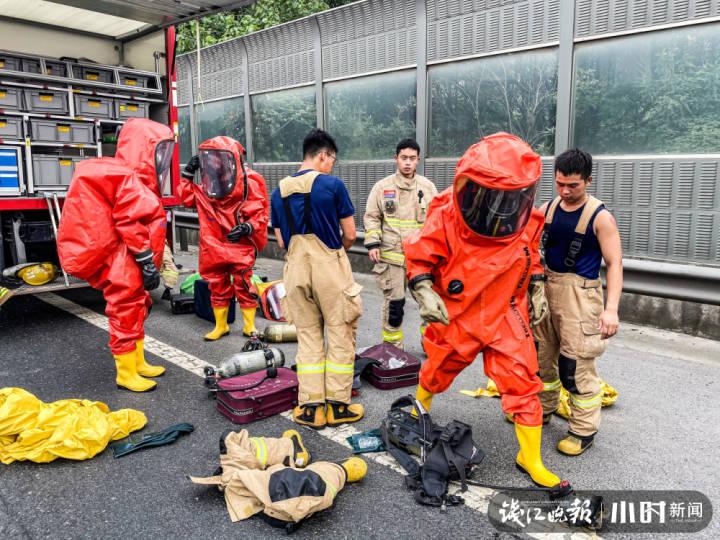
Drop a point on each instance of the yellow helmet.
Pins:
(38, 274)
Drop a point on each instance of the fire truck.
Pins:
(71, 73)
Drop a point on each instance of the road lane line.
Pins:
(475, 497)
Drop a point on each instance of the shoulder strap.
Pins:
(591, 206)
(550, 210)
(301, 184)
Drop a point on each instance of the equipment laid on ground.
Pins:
(386, 367)
(159, 438)
(280, 333)
(449, 454)
(245, 363)
(203, 309)
(270, 294)
(181, 304)
(247, 398)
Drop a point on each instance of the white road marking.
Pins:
(475, 497)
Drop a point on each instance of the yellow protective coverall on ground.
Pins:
(322, 299)
(395, 209)
(260, 474)
(70, 428)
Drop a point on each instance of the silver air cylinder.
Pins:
(251, 361)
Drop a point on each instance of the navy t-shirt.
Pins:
(561, 234)
(330, 202)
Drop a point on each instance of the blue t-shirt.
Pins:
(561, 234)
(329, 201)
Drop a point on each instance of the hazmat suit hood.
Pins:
(147, 147)
(494, 187)
(222, 173)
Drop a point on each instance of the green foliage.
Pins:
(470, 100)
(280, 122)
(258, 16)
(655, 93)
(368, 116)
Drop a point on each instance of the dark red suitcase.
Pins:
(389, 367)
(247, 398)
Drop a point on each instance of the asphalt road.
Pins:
(662, 433)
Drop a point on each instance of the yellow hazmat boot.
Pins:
(310, 415)
(221, 325)
(248, 315)
(143, 368)
(302, 456)
(342, 413)
(424, 397)
(355, 468)
(528, 458)
(127, 375)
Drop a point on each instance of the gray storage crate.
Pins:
(31, 65)
(10, 98)
(94, 106)
(8, 61)
(127, 108)
(57, 69)
(60, 131)
(11, 128)
(133, 80)
(46, 101)
(53, 170)
(92, 73)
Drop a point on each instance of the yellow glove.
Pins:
(539, 308)
(432, 307)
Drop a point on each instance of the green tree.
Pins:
(258, 16)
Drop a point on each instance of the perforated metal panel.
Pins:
(221, 73)
(594, 17)
(468, 27)
(281, 56)
(368, 36)
(666, 209)
(183, 80)
(274, 172)
(360, 177)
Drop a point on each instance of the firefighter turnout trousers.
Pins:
(568, 342)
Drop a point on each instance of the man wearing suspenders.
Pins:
(579, 233)
(309, 210)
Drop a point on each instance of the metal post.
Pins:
(317, 52)
(246, 104)
(563, 119)
(182, 236)
(421, 75)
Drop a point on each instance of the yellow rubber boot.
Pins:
(355, 468)
(424, 397)
(143, 368)
(529, 460)
(302, 456)
(248, 315)
(127, 375)
(221, 325)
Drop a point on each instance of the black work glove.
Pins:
(238, 231)
(190, 167)
(150, 274)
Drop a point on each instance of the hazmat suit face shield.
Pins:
(494, 213)
(163, 160)
(218, 172)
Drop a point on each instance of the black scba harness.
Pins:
(447, 454)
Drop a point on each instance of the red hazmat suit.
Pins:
(112, 212)
(482, 279)
(247, 202)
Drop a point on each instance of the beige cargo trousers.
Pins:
(323, 302)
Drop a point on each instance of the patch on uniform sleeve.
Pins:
(388, 194)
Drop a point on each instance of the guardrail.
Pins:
(686, 282)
